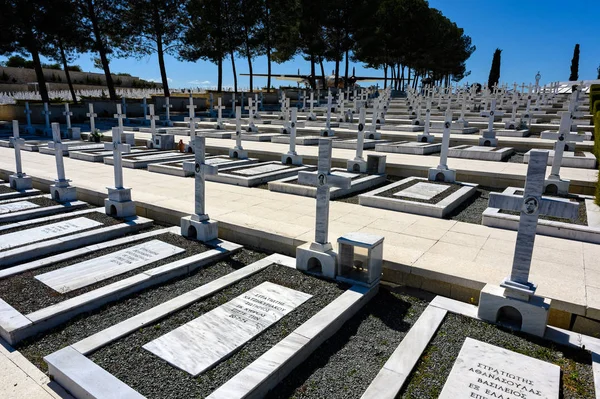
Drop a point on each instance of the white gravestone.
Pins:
(167, 108)
(191, 118)
(327, 132)
(152, 118)
(486, 371)
(320, 253)
(118, 203)
(489, 136)
(47, 114)
(216, 335)
(516, 290)
(220, 109)
(426, 137)
(199, 225)
(238, 151)
(68, 114)
(17, 207)
(442, 172)
(46, 232)
(251, 126)
(358, 164)
(29, 128)
(61, 191)
(18, 181)
(292, 157)
(92, 117)
(90, 272)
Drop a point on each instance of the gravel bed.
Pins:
(472, 209)
(516, 157)
(434, 200)
(353, 198)
(84, 325)
(27, 294)
(6, 190)
(97, 216)
(430, 374)
(344, 365)
(154, 378)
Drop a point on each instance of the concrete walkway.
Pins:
(461, 257)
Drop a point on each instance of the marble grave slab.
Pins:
(45, 232)
(205, 341)
(258, 170)
(17, 206)
(89, 272)
(482, 370)
(422, 190)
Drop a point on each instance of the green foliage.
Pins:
(575, 64)
(495, 70)
(118, 82)
(4, 77)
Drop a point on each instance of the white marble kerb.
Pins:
(17, 206)
(97, 269)
(423, 190)
(486, 371)
(205, 341)
(45, 232)
(258, 170)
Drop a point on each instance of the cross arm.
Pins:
(320, 179)
(560, 208)
(123, 148)
(193, 167)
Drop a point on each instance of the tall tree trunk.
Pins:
(234, 72)
(337, 71)
(385, 68)
(220, 75)
(393, 77)
(67, 73)
(323, 73)
(249, 56)
(312, 80)
(250, 69)
(163, 70)
(407, 81)
(268, 44)
(101, 51)
(39, 73)
(347, 66)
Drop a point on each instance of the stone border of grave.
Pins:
(38, 212)
(14, 326)
(358, 184)
(350, 144)
(409, 147)
(495, 154)
(255, 180)
(438, 210)
(171, 168)
(98, 156)
(587, 161)
(64, 243)
(71, 368)
(300, 140)
(18, 194)
(130, 161)
(492, 217)
(398, 368)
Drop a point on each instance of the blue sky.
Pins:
(533, 35)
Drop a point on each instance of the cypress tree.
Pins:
(494, 70)
(575, 64)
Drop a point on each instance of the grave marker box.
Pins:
(360, 258)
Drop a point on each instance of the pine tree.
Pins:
(575, 64)
(494, 77)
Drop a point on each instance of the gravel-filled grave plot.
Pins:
(84, 325)
(429, 375)
(154, 378)
(344, 365)
(353, 198)
(6, 190)
(37, 204)
(27, 294)
(472, 209)
(581, 220)
(98, 217)
(391, 193)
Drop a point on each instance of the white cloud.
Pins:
(154, 80)
(199, 82)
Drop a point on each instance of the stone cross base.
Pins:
(318, 259)
(219, 126)
(286, 129)
(20, 182)
(291, 159)
(327, 133)
(512, 125)
(425, 138)
(238, 154)
(252, 129)
(119, 203)
(373, 135)
(311, 117)
(62, 192)
(561, 186)
(443, 175)
(459, 124)
(488, 139)
(201, 230)
(356, 165)
(417, 122)
(495, 306)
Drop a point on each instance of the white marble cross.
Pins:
(445, 141)
(28, 115)
(238, 128)
(17, 142)
(59, 147)
(124, 105)
(492, 114)
(46, 114)
(91, 115)
(167, 108)
(312, 102)
(463, 108)
(323, 180)
(562, 137)
(360, 140)
(191, 119)
(515, 104)
(427, 116)
(152, 118)
(120, 117)
(293, 123)
(341, 106)
(303, 100)
(328, 120)
(118, 150)
(144, 107)
(530, 205)
(220, 109)
(375, 115)
(251, 125)
(68, 115)
(200, 169)
(257, 103)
